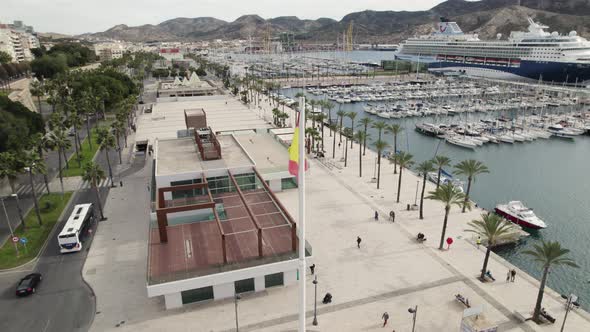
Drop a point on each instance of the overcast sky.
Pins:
(79, 16)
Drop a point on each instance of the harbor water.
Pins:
(547, 175)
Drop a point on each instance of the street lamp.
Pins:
(315, 301)
(571, 300)
(236, 298)
(414, 312)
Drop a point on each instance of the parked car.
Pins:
(28, 284)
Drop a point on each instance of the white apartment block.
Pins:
(18, 42)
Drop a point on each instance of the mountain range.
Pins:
(486, 17)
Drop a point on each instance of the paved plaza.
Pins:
(390, 272)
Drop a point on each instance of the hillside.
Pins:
(486, 17)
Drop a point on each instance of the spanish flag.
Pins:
(294, 152)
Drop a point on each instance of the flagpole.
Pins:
(301, 186)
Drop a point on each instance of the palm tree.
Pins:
(380, 146)
(492, 229)
(360, 136)
(34, 164)
(548, 254)
(351, 116)
(470, 168)
(94, 174)
(394, 129)
(75, 121)
(60, 142)
(328, 105)
(380, 126)
(118, 128)
(341, 114)
(365, 122)
(449, 196)
(106, 141)
(440, 162)
(424, 168)
(38, 91)
(11, 165)
(321, 117)
(85, 107)
(404, 160)
(42, 143)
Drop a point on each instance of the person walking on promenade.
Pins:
(385, 318)
(312, 268)
(478, 242)
(512, 275)
(508, 275)
(376, 216)
(358, 242)
(392, 216)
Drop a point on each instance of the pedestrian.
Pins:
(508, 275)
(312, 268)
(120, 183)
(512, 275)
(358, 242)
(385, 318)
(478, 242)
(376, 216)
(392, 216)
(148, 187)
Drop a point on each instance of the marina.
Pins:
(528, 157)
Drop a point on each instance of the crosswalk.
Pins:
(24, 190)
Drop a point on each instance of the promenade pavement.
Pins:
(390, 272)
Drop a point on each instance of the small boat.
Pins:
(429, 129)
(519, 214)
(461, 142)
(445, 178)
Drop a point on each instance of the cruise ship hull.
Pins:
(558, 72)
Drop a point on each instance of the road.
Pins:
(63, 302)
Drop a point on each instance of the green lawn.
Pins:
(86, 155)
(35, 234)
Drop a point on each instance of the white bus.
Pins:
(76, 228)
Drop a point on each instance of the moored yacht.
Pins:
(519, 214)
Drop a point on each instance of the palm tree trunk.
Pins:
(106, 153)
(421, 196)
(378, 168)
(322, 135)
(346, 152)
(88, 131)
(39, 101)
(76, 146)
(537, 311)
(444, 229)
(365, 141)
(20, 211)
(360, 163)
(341, 118)
(63, 152)
(352, 130)
(485, 263)
(394, 153)
(98, 199)
(467, 195)
(40, 151)
(35, 197)
(399, 184)
(334, 147)
(119, 149)
(61, 179)
(438, 178)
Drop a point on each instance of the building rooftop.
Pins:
(267, 153)
(225, 237)
(179, 156)
(224, 114)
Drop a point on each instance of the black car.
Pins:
(28, 284)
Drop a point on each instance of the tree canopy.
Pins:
(17, 124)
(5, 57)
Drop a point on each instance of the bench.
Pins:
(463, 300)
(547, 316)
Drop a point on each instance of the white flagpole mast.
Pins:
(301, 185)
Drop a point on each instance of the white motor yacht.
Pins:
(519, 214)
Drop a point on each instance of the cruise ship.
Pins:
(532, 55)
